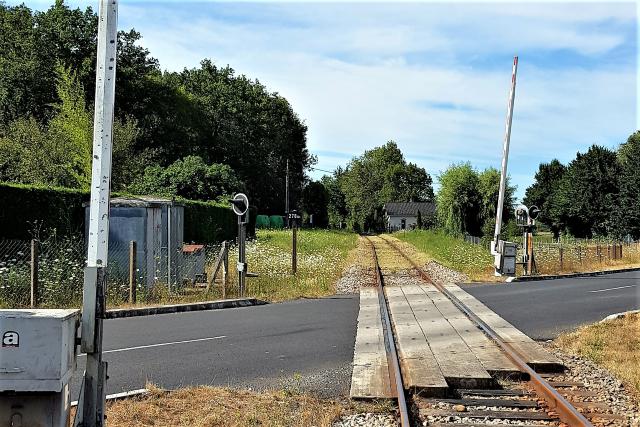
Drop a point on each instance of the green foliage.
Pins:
(161, 118)
(467, 200)
(189, 178)
(540, 193)
(628, 216)
(314, 202)
(458, 204)
(379, 176)
(208, 222)
(43, 211)
(336, 203)
(59, 154)
(586, 198)
(28, 209)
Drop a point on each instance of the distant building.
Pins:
(404, 215)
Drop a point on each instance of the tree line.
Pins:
(596, 195)
(201, 133)
(354, 196)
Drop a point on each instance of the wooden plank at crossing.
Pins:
(420, 370)
(370, 377)
(457, 362)
(532, 352)
(489, 355)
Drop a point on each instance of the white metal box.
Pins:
(38, 351)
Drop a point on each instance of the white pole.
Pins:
(91, 413)
(98, 246)
(505, 155)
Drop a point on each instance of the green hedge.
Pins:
(23, 208)
(26, 208)
(206, 222)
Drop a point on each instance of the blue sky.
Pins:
(434, 77)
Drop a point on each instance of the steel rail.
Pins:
(566, 412)
(390, 343)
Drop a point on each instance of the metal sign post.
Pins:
(91, 407)
(240, 206)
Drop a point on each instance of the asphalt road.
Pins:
(308, 344)
(543, 309)
(304, 344)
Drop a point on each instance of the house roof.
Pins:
(409, 208)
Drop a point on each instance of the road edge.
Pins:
(571, 275)
(182, 308)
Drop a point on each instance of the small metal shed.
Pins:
(157, 227)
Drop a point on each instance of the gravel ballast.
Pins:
(368, 420)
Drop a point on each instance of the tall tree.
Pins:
(540, 193)
(628, 216)
(336, 204)
(459, 203)
(190, 178)
(379, 176)
(315, 202)
(585, 201)
(489, 189)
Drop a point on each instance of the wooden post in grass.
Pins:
(225, 267)
(561, 258)
(599, 253)
(132, 272)
(35, 249)
(294, 249)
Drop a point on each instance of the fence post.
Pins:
(599, 253)
(620, 251)
(35, 249)
(225, 267)
(132, 272)
(561, 258)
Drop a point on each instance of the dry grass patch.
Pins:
(614, 345)
(214, 406)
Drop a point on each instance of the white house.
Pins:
(404, 215)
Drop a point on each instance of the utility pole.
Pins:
(286, 195)
(91, 408)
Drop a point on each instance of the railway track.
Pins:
(531, 399)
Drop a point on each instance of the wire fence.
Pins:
(573, 255)
(58, 276)
(583, 255)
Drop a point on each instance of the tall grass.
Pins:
(322, 255)
(473, 260)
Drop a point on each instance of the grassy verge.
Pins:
(322, 255)
(614, 345)
(213, 406)
(473, 260)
